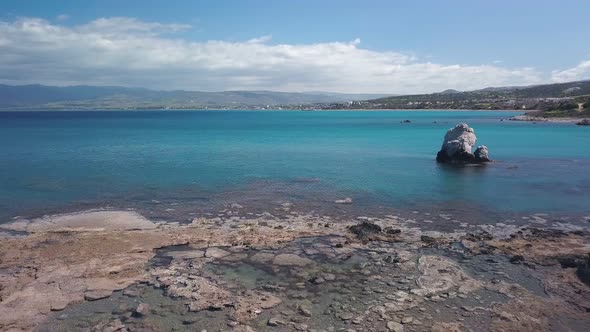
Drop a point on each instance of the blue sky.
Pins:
(373, 46)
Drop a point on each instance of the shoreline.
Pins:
(395, 282)
(531, 118)
(255, 110)
(414, 110)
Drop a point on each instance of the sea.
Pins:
(174, 165)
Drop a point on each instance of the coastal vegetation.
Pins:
(578, 107)
(563, 99)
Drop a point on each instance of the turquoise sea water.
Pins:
(55, 159)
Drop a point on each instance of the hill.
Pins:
(113, 97)
(546, 98)
(570, 99)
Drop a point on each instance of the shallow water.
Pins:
(341, 287)
(56, 160)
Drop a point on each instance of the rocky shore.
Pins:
(299, 272)
(532, 118)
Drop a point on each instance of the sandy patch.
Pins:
(86, 220)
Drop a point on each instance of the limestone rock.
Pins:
(291, 260)
(407, 320)
(142, 309)
(216, 253)
(304, 309)
(395, 326)
(262, 257)
(276, 321)
(347, 200)
(97, 294)
(448, 327)
(481, 154)
(457, 147)
(101, 220)
(439, 274)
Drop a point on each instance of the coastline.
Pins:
(255, 110)
(531, 118)
(377, 273)
(417, 110)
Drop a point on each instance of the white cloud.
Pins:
(127, 51)
(63, 17)
(260, 40)
(122, 25)
(577, 73)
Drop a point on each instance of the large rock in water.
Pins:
(458, 144)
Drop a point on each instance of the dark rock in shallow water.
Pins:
(365, 230)
(585, 122)
(583, 271)
(392, 231)
(516, 259)
(457, 146)
(580, 263)
(571, 261)
(427, 239)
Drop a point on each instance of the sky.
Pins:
(391, 47)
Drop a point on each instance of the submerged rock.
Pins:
(276, 321)
(216, 253)
(305, 310)
(142, 309)
(291, 260)
(583, 271)
(457, 147)
(439, 274)
(97, 295)
(347, 200)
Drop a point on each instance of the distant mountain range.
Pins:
(113, 97)
(568, 97)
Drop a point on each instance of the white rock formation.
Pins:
(458, 144)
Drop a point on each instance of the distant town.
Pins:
(556, 100)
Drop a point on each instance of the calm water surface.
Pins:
(55, 159)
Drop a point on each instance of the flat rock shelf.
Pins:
(302, 272)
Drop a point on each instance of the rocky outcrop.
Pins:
(458, 145)
(481, 154)
(585, 122)
(294, 265)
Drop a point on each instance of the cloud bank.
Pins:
(130, 52)
(579, 72)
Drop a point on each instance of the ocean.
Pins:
(54, 161)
